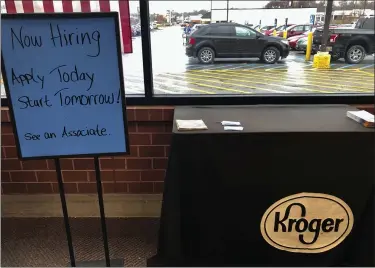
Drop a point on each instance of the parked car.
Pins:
(301, 44)
(294, 39)
(266, 28)
(231, 40)
(196, 27)
(278, 29)
(350, 44)
(295, 30)
(256, 27)
(136, 30)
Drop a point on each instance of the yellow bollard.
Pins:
(274, 33)
(309, 45)
(285, 34)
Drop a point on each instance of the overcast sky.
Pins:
(161, 7)
(185, 6)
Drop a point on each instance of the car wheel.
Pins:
(355, 54)
(270, 55)
(206, 55)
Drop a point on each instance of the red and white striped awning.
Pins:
(52, 6)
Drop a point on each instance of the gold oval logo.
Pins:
(307, 223)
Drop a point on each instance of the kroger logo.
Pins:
(307, 223)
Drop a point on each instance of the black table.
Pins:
(219, 184)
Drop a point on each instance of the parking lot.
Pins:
(175, 73)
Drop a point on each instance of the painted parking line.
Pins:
(211, 86)
(283, 66)
(131, 85)
(257, 82)
(322, 82)
(230, 84)
(257, 67)
(309, 83)
(344, 67)
(336, 71)
(367, 66)
(331, 77)
(241, 66)
(220, 67)
(181, 87)
(367, 73)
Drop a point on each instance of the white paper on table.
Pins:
(190, 124)
(233, 128)
(230, 123)
(364, 115)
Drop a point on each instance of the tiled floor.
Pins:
(42, 242)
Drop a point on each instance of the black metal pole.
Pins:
(101, 209)
(227, 10)
(211, 13)
(65, 213)
(146, 49)
(327, 21)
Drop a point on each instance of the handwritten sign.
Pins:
(63, 77)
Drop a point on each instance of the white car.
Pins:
(196, 27)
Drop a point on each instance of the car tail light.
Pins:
(332, 38)
(192, 41)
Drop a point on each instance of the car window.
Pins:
(368, 24)
(222, 30)
(299, 28)
(202, 31)
(245, 32)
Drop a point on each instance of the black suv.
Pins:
(231, 40)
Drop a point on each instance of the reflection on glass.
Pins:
(196, 49)
(132, 62)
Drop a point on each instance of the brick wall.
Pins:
(142, 171)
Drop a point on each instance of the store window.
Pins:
(188, 60)
(217, 48)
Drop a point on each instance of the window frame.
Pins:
(149, 98)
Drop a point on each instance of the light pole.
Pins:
(211, 13)
(227, 10)
(327, 21)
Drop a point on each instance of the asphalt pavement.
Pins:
(175, 73)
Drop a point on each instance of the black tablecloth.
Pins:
(219, 184)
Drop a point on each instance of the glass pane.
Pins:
(244, 32)
(132, 62)
(207, 63)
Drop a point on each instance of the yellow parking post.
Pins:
(285, 34)
(309, 45)
(274, 33)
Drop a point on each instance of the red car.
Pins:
(295, 30)
(294, 39)
(279, 28)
